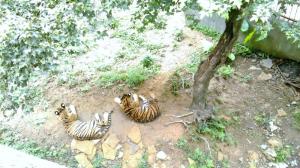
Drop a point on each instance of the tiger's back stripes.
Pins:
(81, 130)
(138, 108)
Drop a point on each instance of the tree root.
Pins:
(181, 116)
(207, 144)
(185, 123)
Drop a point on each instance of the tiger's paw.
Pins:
(117, 100)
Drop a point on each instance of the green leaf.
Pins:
(249, 37)
(245, 26)
(231, 57)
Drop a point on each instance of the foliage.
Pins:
(147, 62)
(178, 35)
(50, 29)
(201, 160)
(178, 81)
(29, 146)
(143, 163)
(225, 71)
(182, 143)
(97, 161)
(133, 76)
(215, 128)
(296, 116)
(283, 153)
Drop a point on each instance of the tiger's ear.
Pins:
(56, 112)
(63, 105)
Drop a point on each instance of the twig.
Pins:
(181, 116)
(185, 123)
(208, 146)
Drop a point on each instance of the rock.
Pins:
(275, 142)
(294, 163)
(264, 77)
(182, 166)
(86, 147)
(220, 156)
(131, 160)
(272, 126)
(134, 134)
(254, 68)
(109, 147)
(277, 165)
(263, 146)
(83, 161)
(151, 154)
(192, 163)
(112, 140)
(267, 63)
(281, 113)
(253, 156)
(120, 155)
(133, 147)
(161, 155)
(270, 153)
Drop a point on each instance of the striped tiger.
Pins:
(81, 130)
(138, 108)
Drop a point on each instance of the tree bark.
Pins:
(206, 70)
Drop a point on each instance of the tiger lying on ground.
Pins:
(138, 108)
(80, 130)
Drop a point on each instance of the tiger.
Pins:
(138, 108)
(81, 130)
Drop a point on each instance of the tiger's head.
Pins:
(126, 100)
(66, 114)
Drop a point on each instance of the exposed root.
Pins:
(207, 143)
(181, 116)
(185, 123)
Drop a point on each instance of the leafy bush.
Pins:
(225, 71)
(33, 35)
(147, 62)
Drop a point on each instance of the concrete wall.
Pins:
(276, 44)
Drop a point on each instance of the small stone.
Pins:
(86, 147)
(253, 156)
(83, 161)
(108, 152)
(263, 146)
(264, 77)
(112, 140)
(270, 153)
(254, 68)
(134, 134)
(220, 156)
(182, 166)
(294, 163)
(281, 113)
(275, 142)
(151, 149)
(192, 163)
(272, 126)
(120, 154)
(294, 103)
(161, 155)
(267, 63)
(277, 165)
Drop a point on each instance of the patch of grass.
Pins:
(85, 88)
(283, 153)
(179, 81)
(225, 71)
(178, 35)
(201, 160)
(147, 62)
(143, 163)
(241, 50)
(97, 161)
(216, 128)
(195, 25)
(134, 76)
(59, 154)
(296, 117)
(261, 119)
(196, 59)
(182, 143)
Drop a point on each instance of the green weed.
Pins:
(111, 77)
(261, 119)
(195, 25)
(178, 81)
(201, 159)
(216, 129)
(283, 153)
(296, 117)
(136, 76)
(97, 161)
(178, 35)
(225, 71)
(182, 143)
(143, 163)
(147, 62)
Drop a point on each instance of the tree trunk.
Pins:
(206, 70)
